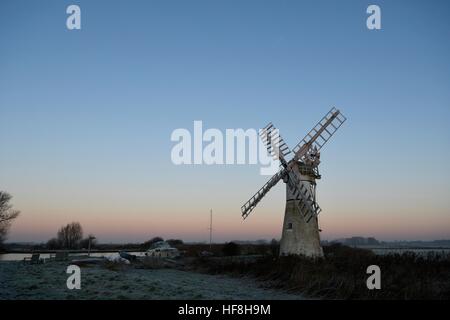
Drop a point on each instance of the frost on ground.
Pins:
(48, 281)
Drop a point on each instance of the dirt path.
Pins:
(48, 281)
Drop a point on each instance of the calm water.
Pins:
(21, 256)
(420, 252)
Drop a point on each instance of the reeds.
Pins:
(342, 274)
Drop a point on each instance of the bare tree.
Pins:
(70, 235)
(7, 214)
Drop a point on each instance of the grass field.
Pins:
(48, 281)
(341, 275)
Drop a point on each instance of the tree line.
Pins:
(70, 236)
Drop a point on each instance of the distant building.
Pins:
(162, 249)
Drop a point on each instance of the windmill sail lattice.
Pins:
(320, 134)
(274, 143)
(253, 201)
(307, 205)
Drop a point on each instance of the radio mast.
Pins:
(210, 229)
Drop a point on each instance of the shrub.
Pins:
(231, 249)
(147, 244)
(175, 242)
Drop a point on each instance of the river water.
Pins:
(21, 256)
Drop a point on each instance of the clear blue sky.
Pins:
(86, 115)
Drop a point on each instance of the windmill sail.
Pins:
(274, 143)
(251, 204)
(307, 205)
(320, 134)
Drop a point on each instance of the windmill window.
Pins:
(289, 226)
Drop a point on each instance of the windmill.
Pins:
(300, 233)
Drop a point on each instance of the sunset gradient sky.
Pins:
(86, 116)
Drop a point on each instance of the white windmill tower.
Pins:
(300, 233)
